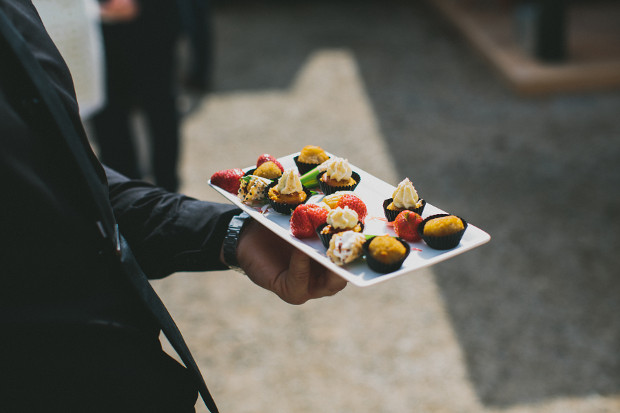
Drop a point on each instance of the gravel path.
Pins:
(527, 323)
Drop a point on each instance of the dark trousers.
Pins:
(196, 24)
(89, 369)
(140, 75)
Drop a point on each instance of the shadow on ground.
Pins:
(536, 310)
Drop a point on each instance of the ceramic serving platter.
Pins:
(372, 191)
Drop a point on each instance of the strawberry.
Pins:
(318, 215)
(406, 225)
(356, 204)
(227, 179)
(265, 158)
(305, 220)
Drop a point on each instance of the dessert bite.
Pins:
(404, 197)
(336, 175)
(252, 189)
(268, 158)
(442, 226)
(442, 231)
(269, 170)
(348, 199)
(385, 253)
(345, 247)
(333, 199)
(288, 192)
(309, 158)
(339, 220)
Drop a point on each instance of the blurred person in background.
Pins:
(80, 322)
(196, 26)
(139, 41)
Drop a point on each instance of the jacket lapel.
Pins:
(97, 189)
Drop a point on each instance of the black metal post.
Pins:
(541, 28)
(551, 39)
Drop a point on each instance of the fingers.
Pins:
(306, 279)
(323, 281)
(274, 264)
(328, 283)
(334, 283)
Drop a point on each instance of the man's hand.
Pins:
(275, 265)
(118, 11)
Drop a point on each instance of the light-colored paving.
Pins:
(528, 323)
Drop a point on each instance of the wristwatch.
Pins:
(231, 240)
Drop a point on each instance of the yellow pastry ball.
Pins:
(442, 226)
(386, 249)
(312, 154)
(268, 170)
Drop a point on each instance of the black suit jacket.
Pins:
(57, 265)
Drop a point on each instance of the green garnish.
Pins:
(309, 179)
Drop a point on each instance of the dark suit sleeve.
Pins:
(168, 232)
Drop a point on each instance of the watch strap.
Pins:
(231, 241)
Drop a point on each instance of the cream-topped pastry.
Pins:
(342, 218)
(338, 220)
(325, 164)
(288, 189)
(345, 247)
(337, 169)
(405, 196)
(289, 183)
(336, 175)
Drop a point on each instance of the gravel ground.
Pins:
(526, 323)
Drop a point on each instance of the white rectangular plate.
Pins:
(372, 191)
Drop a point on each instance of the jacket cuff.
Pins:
(207, 256)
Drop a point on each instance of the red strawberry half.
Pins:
(227, 179)
(406, 226)
(355, 204)
(305, 220)
(265, 158)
